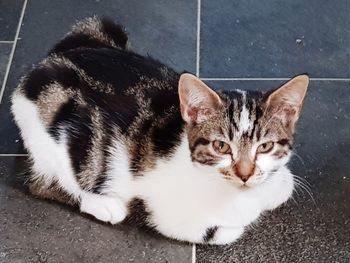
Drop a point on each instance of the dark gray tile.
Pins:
(33, 230)
(304, 231)
(163, 29)
(275, 38)
(8, 132)
(5, 50)
(9, 17)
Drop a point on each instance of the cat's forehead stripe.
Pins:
(245, 122)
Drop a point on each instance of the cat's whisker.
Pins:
(299, 182)
(299, 158)
(294, 200)
(302, 180)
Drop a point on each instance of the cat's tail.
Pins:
(93, 32)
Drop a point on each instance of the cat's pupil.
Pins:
(222, 144)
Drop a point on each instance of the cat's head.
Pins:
(245, 136)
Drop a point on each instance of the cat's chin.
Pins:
(244, 187)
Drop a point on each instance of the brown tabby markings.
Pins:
(51, 191)
(94, 167)
(50, 101)
(215, 127)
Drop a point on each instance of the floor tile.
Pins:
(5, 50)
(33, 230)
(165, 30)
(9, 16)
(275, 38)
(304, 231)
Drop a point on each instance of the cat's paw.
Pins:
(226, 235)
(104, 208)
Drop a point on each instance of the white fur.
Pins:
(225, 235)
(244, 122)
(105, 208)
(119, 175)
(269, 162)
(184, 198)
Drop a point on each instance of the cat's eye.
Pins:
(265, 147)
(221, 147)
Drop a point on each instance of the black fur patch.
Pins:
(138, 214)
(118, 110)
(102, 180)
(284, 142)
(166, 137)
(80, 137)
(62, 117)
(200, 141)
(163, 100)
(210, 233)
(42, 76)
(75, 121)
(78, 41)
(258, 115)
(115, 32)
(121, 68)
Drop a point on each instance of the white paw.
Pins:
(226, 235)
(104, 208)
(244, 211)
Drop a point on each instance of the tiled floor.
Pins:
(235, 44)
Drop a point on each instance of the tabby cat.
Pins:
(110, 130)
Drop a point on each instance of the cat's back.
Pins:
(91, 69)
(111, 79)
(98, 71)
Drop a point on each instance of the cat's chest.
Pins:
(178, 190)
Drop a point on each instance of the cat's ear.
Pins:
(197, 100)
(286, 102)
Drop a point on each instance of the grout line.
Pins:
(267, 79)
(6, 42)
(193, 253)
(197, 74)
(12, 51)
(13, 154)
(228, 79)
(198, 35)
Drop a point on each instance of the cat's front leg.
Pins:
(223, 235)
(106, 208)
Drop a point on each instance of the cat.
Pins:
(109, 130)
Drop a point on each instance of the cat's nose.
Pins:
(244, 169)
(244, 179)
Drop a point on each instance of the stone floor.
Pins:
(242, 44)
